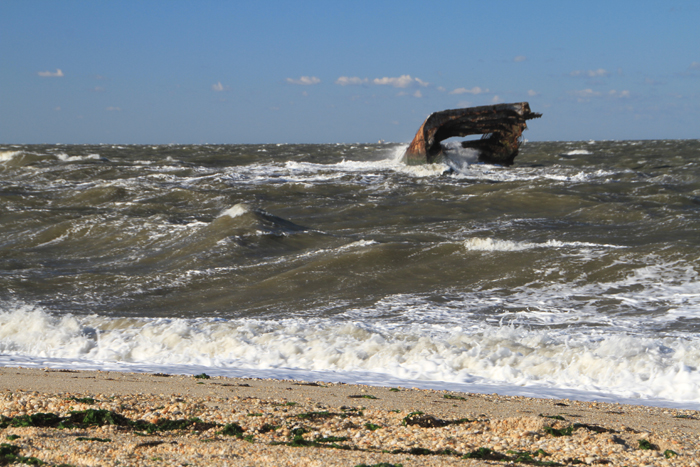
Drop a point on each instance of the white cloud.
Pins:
(113, 109)
(57, 109)
(600, 72)
(496, 99)
(694, 66)
(520, 58)
(218, 87)
(402, 81)
(441, 89)
(533, 93)
(619, 94)
(98, 89)
(417, 94)
(304, 80)
(586, 93)
(421, 82)
(475, 90)
(50, 74)
(350, 80)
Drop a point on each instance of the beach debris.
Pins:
(500, 125)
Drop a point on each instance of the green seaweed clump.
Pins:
(36, 420)
(427, 452)
(266, 428)
(316, 415)
(646, 445)
(232, 429)
(556, 432)
(93, 417)
(450, 396)
(381, 464)
(484, 453)
(526, 457)
(82, 400)
(202, 376)
(101, 440)
(553, 417)
(9, 454)
(668, 453)
(100, 417)
(372, 426)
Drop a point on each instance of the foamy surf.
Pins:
(564, 362)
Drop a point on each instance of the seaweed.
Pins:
(202, 376)
(266, 428)
(568, 431)
(100, 440)
(93, 417)
(298, 441)
(553, 417)
(372, 426)
(557, 432)
(381, 464)
(646, 445)
(9, 454)
(362, 396)
(668, 453)
(395, 390)
(427, 452)
(36, 420)
(12, 437)
(82, 400)
(423, 420)
(332, 439)
(450, 396)
(408, 417)
(232, 429)
(149, 444)
(169, 425)
(484, 453)
(318, 415)
(526, 457)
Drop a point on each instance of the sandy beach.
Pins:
(108, 418)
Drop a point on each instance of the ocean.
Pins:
(571, 274)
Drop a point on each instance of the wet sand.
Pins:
(251, 422)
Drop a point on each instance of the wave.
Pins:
(629, 366)
(6, 156)
(490, 244)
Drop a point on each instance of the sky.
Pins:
(240, 72)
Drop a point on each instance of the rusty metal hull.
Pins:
(501, 125)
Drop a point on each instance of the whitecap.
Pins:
(236, 210)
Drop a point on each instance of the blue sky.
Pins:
(155, 72)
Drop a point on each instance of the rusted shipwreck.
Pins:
(501, 125)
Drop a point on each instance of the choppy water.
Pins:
(575, 271)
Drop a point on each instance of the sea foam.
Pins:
(623, 366)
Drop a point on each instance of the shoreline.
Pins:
(287, 422)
